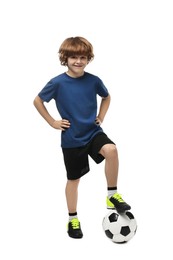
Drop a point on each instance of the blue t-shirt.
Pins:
(76, 101)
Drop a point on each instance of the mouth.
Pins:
(78, 66)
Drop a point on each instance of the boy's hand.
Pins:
(61, 124)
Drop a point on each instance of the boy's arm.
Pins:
(57, 124)
(104, 105)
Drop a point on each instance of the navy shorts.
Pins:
(76, 159)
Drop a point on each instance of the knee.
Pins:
(109, 151)
(73, 182)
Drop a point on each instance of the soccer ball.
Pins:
(119, 228)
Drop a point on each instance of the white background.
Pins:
(134, 57)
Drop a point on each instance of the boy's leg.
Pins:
(73, 229)
(109, 152)
(71, 192)
(76, 163)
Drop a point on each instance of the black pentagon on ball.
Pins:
(113, 217)
(109, 234)
(125, 231)
(129, 215)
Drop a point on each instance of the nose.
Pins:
(78, 60)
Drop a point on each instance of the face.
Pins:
(76, 65)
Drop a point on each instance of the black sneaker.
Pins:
(116, 202)
(74, 229)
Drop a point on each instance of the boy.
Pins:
(75, 93)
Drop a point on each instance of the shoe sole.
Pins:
(75, 237)
(119, 211)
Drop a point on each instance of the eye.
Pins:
(73, 57)
(78, 57)
(83, 57)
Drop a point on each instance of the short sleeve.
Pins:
(101, 89)
(48, 92)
